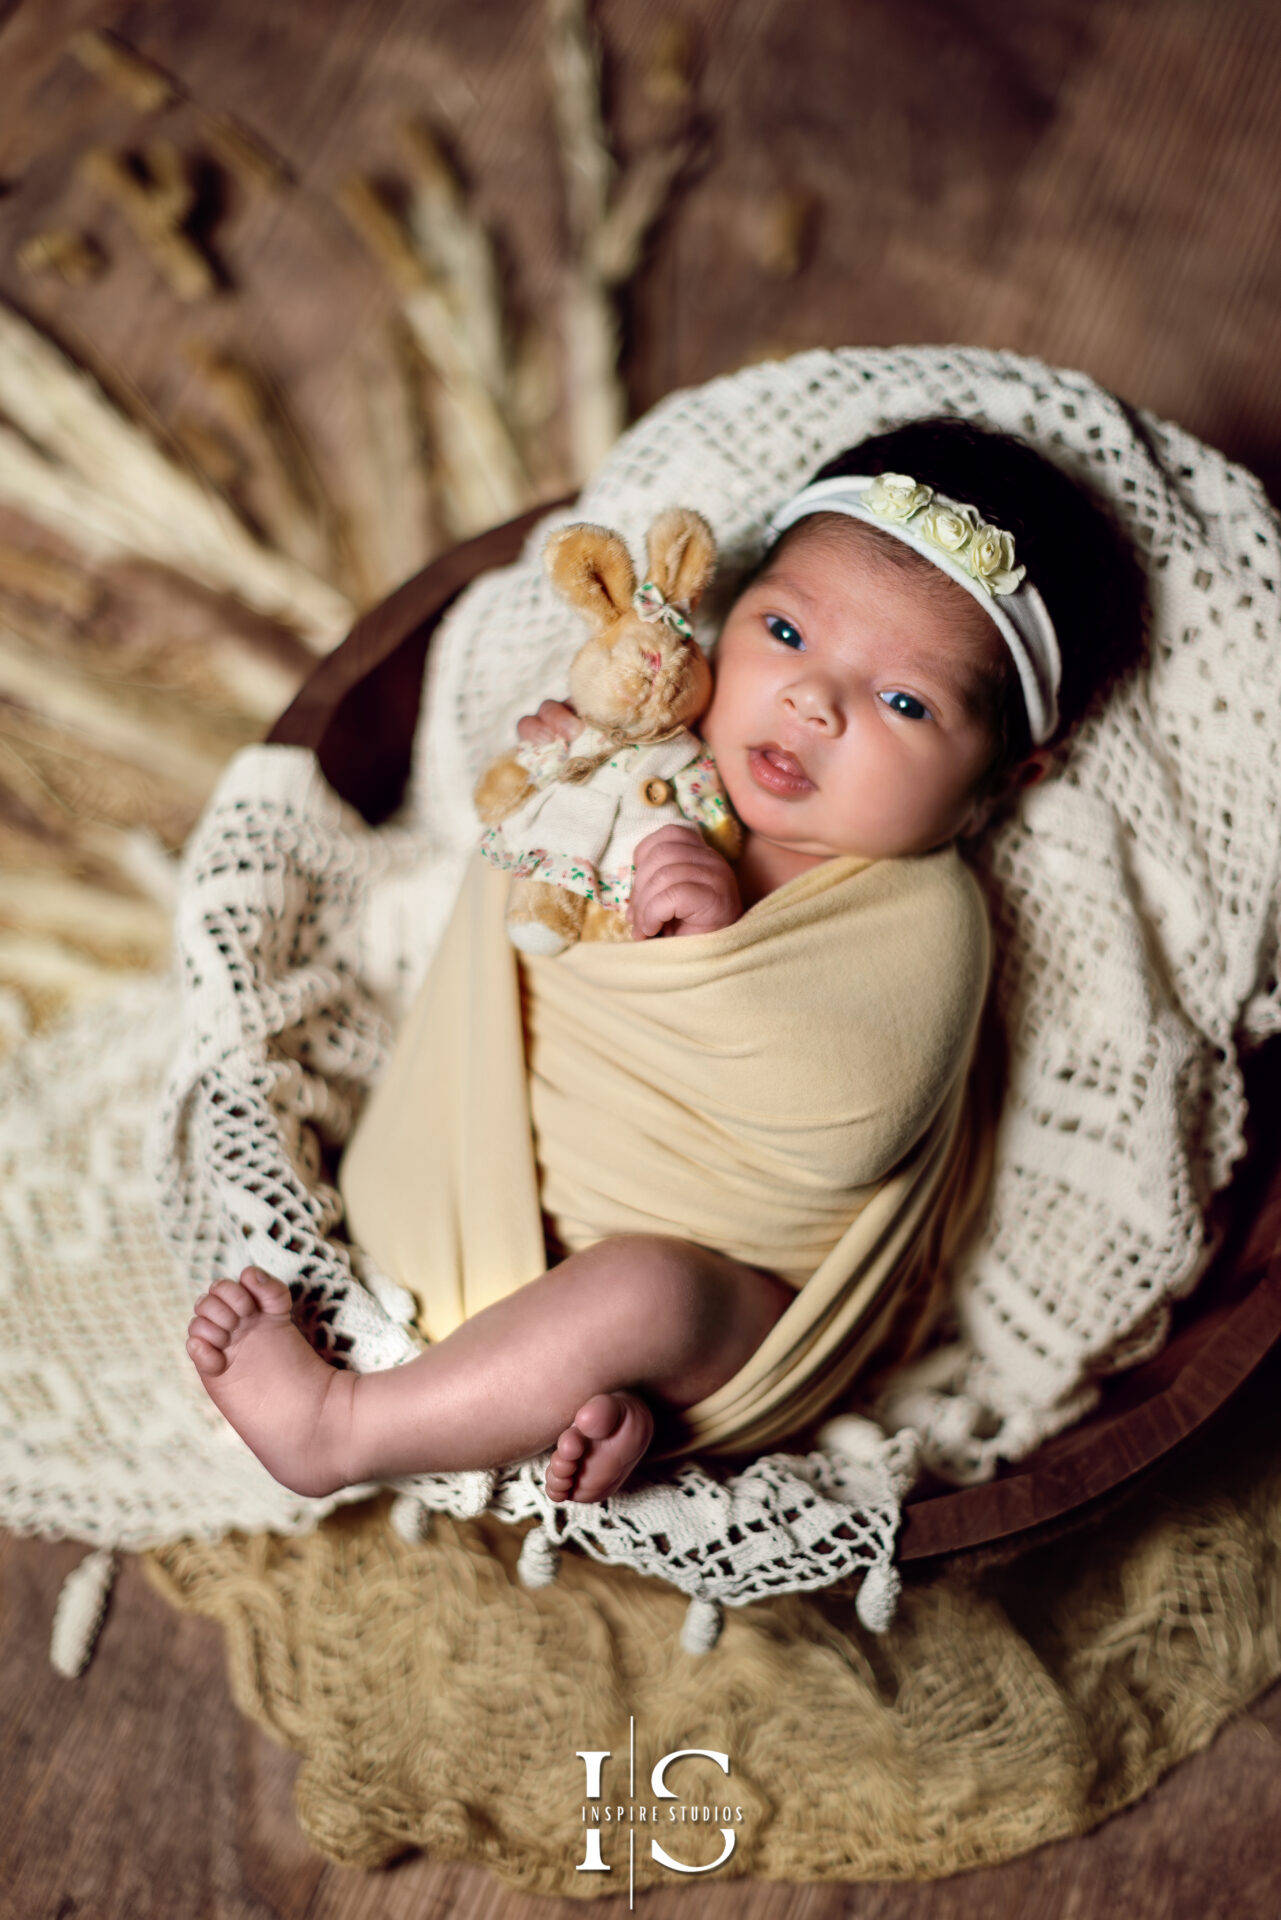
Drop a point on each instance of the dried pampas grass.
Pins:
(146, 87)
(180, 751)
(72, 257)
(117, 930)
(292, 506)
(443, 292)
(609, 221)
(71, 460)
(156, 192)
(47, 581)
(149, 89)
(393, 523)
(122, 693)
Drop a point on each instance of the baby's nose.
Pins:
(812, 703)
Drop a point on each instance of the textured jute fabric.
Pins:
(439, 1704)
(784, 1090)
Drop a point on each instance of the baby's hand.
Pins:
(555, 720)
(682, 885)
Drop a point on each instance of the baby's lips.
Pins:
(785, 761)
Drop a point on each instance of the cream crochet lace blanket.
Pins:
(1135, 904)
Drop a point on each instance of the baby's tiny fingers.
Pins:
(666, 845)
(560, 717)
(676, 833)
(682, 900)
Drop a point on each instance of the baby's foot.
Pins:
(284, 1401)
(594, 1457)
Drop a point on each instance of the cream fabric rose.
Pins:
(896, 496)
(990, 558)
(946, 527)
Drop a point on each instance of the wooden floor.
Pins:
(138, 1792)
(1090, 181)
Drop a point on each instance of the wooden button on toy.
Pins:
(656, 793)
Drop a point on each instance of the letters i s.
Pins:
(594, 1761)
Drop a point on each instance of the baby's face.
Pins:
(844, 717)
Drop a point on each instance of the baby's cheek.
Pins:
(717, 715)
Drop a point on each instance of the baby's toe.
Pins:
(205, 1357)
(213, 1308)
(203, 1326)
(600, 1416)
(570, 1447)
(559, 1484)
(266, 1291)
(233, 1295)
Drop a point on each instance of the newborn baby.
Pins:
(889, 675)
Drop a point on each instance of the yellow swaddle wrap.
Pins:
(788, 1090)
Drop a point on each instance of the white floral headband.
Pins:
(978, 557)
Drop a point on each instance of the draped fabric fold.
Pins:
(788, 1090)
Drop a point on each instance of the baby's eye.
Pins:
(783, 630)
(907, 704)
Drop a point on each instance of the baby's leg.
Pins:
(563, 1361)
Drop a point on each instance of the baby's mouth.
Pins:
(777, 771)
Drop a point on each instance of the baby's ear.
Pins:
(593, 569)
(682, 555)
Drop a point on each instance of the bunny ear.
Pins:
(593, 569)
(682, 555)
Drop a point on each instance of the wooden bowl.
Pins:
(358, 711)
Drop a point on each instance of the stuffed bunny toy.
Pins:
(565, 819)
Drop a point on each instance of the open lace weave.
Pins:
(1135, 907)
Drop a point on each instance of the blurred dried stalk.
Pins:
(608, 226)
(157, 197)
(780, 230)
(148, 88)
(85, 889)
(137, 79)
(439, 260)
(73, 462)
(66, 785)
(114, 727)
(213, 453)
(291, 503)
(492, 397)
(393, 529)
(180, 753)
(48, 581)
(244, 152)
(669, 70)
(119, 930)
(102, 629)
(114, 733)
(456, 252)
(49, 978)
(72, 257)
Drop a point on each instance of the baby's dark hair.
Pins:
(1075, 553)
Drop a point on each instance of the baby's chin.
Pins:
(808, 850)
(769, 817)
(804, 849)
